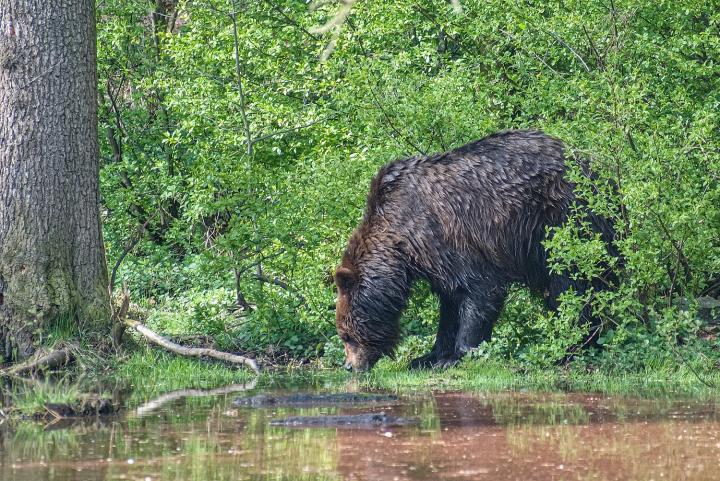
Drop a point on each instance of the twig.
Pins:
(292, 129)
(290, 20)
(715, 284)
(431, 17)
(613, 17)
(577, 55)
(114, 106)
(118, 317)
(191, 351)
(241, 93)
(532, 54)
(276, 281)
(131, 245)
(678, 248)
(333, 25)
(707, 383)
(244, 269)
(600, 59)
(570, 353)
(272, 280)
(376, 101)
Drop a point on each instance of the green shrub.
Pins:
(630, 86)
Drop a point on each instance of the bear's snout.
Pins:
(358, 358)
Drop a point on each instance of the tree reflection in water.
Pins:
(503, 436)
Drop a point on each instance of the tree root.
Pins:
(191, 351)
(41, 362)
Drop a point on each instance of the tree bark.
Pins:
(53, 272)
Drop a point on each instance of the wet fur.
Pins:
(470, 222)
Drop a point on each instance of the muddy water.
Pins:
(505, 436)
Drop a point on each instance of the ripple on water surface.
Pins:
(499, 436)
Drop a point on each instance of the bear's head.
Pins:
(367, 316)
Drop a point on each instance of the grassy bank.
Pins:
(476, 375)
(151, 373)
(145, 374)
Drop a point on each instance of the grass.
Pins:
(150, 372)
(153, 371)
(30, 400)
(147, 373)
(477, 375)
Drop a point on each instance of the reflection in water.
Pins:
(506, 436)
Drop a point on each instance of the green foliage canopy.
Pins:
(240, 161)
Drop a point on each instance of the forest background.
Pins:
(238, 140)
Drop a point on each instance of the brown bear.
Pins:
(471, 222)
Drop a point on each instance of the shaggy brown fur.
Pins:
(470, 221)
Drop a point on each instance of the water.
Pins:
(461, 436)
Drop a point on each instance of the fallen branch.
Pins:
(191, 351)
(54, 359)
(199, 340)
(160, 401)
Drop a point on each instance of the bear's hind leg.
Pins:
(466, 320)
(444, 348)
(477, 315)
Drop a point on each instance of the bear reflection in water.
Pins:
(575, 438)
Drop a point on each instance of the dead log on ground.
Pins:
(42, 361)
(191, 351)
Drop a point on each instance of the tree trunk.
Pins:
(53, 274)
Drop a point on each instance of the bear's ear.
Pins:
(345, 278)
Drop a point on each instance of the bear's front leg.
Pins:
(443, 353)
(435, 360)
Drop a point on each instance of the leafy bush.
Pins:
(630, 86)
